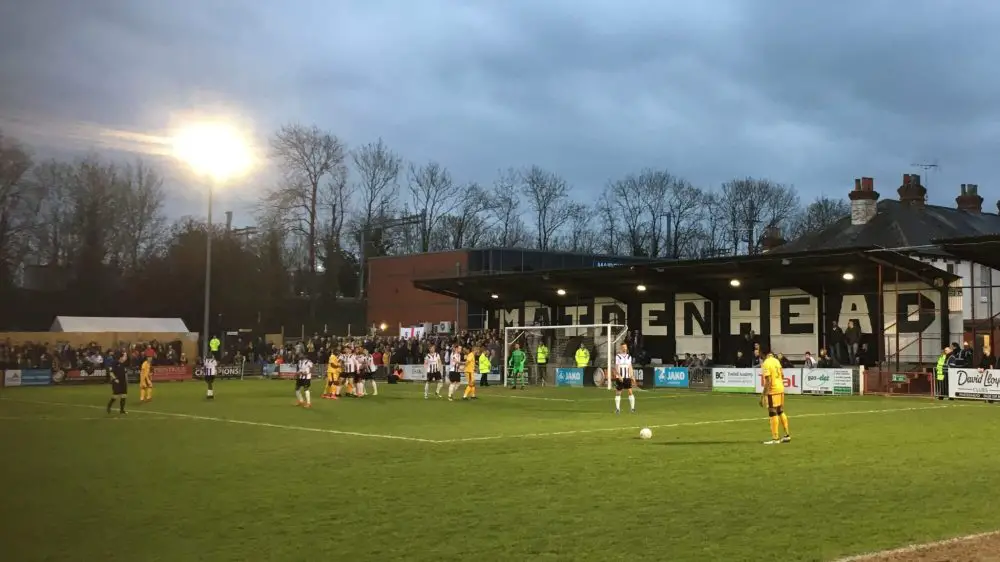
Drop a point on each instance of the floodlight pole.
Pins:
(208, 273)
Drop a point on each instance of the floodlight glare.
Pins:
(640, 288)
(561, 292)
(494, 296)
(848, 276)
(382, 326)
(214, 149)
(734, 283)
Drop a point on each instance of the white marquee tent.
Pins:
(94, 324)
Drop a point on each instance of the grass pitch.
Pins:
(534, 475)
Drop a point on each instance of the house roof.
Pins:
(812, 271)
(983, 250)
(94, 324)
(900, 226)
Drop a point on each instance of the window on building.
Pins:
(984, 281)
(951, 268)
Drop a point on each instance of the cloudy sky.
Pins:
(804, 92)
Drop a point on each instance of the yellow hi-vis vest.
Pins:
(484, 364)
(582, 357)
(214, 344)
(542, 355)
(940, 366)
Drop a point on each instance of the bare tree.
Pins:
(142, 224)
(817, 216)
(710, 237)
(310, 160)
(466, 226)
(683, 205)
(19, 203)
(611, 236)
(751, 205)
(505, 211)
(433, 193)
(548, 198)
(580, 234)
(54, 234)
(378, 169)
(627, 199)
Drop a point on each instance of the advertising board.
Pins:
(570, 376)
(972, 384)
(671, 377)
(735, 380)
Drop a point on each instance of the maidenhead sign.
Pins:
(787, 320)
(973, 384)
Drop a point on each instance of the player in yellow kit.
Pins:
(774, 397)
(470, 374)
(332, 376)
(146, 380)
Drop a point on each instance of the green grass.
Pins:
(555, 476)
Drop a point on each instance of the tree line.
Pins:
(99, 225)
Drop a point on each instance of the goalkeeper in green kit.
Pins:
(516, 365)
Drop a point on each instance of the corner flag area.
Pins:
(541, 474)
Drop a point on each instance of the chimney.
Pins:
(229, 221)
(911, 192)
(969, 199)
(771, 239)
(864, 201)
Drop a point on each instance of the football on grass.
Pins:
(646, 433)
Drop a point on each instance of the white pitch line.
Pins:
(913, 548)
(514, 397)
(243, 422)
(681, 424)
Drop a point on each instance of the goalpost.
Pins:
(601, 340)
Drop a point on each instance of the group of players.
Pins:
(348, 373)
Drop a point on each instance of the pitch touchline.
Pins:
(681, 424)
(242, 422)
(909, 549)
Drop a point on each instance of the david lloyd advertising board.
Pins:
(743, 381)
(972, 384)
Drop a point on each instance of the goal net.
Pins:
(600, 340)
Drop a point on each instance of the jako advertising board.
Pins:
(826, 382)
(734, 380)
(572, 376)
(36, 377)
(971, 384)
(671, 377)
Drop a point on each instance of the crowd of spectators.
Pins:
(64, 356)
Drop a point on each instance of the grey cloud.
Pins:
(802, 92)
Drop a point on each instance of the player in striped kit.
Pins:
(303, 381)
(624, 378)
(358, 358)
(433, 367)
(209, 368)
(454, 370)
(366, 368)
(349, 368)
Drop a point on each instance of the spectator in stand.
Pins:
(852, 339)
(809, 362)
(825, 361)
(837, 342)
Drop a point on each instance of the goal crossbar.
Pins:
(614, 334)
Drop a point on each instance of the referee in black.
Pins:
(119, 383)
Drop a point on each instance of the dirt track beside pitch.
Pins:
(978, 549)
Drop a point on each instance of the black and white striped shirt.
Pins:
(623, 363)
(432, 363)
(349, 362)
(209, 367)
(305, 369)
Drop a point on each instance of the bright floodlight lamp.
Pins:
(640, 288)
(561, 292)
(848, 276)
(213, 149)
(494, 296)
(382, 326)
(734, 283)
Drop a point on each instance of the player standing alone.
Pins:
(146, 380)
(432, 366)
(209, 369)
(303, 382)
(119, 384)
(774, 397)
(624, 379)
(516, 364)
